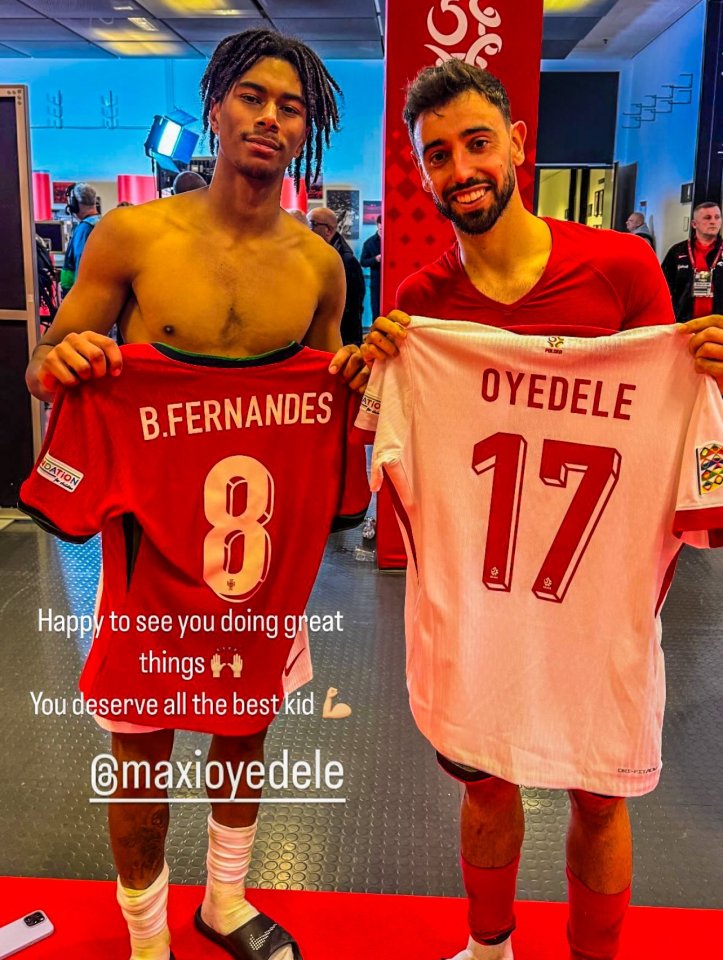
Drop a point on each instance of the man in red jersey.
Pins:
(225, 271)
(530, 275)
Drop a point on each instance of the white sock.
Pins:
(225, 907)
(479, 951)
(146, 913)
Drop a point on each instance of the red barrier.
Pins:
(136, 189)
(290, 199)
(42, 201)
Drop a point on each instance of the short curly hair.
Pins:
(437, 86)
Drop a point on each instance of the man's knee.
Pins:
(594, 807)
(249, 747)
(481, 788)
(492, 791)
(152, 747)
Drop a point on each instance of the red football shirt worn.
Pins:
(215, 483)
(596, 282)
(702, 306)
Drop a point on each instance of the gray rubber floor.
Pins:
(397, 831)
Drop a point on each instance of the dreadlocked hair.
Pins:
(238, 53)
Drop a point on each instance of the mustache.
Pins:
(467, 185)
(261, 136)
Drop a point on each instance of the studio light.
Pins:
(169, 142)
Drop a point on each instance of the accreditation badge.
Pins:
(703, 284)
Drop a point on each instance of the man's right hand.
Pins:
(78, 357)
(386, 336)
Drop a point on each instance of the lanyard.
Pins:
(692, 258)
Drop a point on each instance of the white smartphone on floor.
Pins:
(22, 933)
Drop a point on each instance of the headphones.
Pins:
(72, 207)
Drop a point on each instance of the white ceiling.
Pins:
(631, 25)
(337, 29)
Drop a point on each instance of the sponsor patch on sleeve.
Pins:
(59, 473)
(710, 467)
(371, 404)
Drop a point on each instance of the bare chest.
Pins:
(231, 303)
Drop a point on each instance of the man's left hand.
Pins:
(706, 345)
(348, 362)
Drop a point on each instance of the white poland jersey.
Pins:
(544, 486)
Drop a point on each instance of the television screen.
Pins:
(54, 231)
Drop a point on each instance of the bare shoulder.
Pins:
(127, 235)
(144, 218)
(123, 226)
(321, 255)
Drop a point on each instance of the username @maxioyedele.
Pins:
(109, 775)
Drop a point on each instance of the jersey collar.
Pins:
(208, 360)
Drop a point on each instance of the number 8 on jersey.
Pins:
(238, 500)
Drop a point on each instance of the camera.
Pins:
(33, 919)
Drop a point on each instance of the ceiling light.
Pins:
(143, 24)
(568, 7)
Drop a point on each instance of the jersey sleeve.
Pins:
(699, 505)
(355, 493)
(386, 410)
(73, 486)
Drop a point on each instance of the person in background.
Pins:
(188, 180)
(372, 257)
(636, 224)
(47, 281)
(694, 267)
(324, 223)
(83, 204)
(125, 203)
(300, 216)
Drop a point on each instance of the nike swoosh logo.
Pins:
(257, 942)
(287, 670)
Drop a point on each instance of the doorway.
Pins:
(582, 194)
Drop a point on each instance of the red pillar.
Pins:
(502, 36)
(42, 201)
(136, 188)
(290, 199)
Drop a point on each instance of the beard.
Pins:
(261, 170)
(258, 170)
(478, 221)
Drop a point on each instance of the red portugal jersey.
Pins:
(596, 282)
(215, 483)
(544, 486)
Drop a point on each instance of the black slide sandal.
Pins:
(259, 939)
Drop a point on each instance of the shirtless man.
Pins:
(220, 270)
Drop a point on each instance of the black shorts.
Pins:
(465, 774)
(461, 771)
